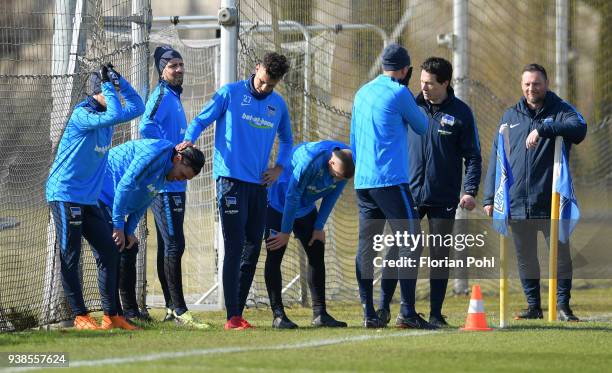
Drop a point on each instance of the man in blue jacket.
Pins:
(318, 170)
(436, 173)
(136, 171)
(383, 110)
(74, 185)
(164, 118)
(534, 122)
(249, 114)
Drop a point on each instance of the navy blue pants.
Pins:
(125, 295)
(73, 221)
(242, 209)
(394, 205)
(302, 228)
(441, 221)
(169, 212)
(525, 236)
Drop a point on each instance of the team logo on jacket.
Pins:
(75, 211)
(230, 201)
(270, 110)
(447, 120)
(547, 120)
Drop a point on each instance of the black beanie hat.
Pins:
(162, 55)
(395, 57)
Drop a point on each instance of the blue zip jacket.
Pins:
(531, 193)
(77, 172)
(245, 131)
(382, 111)
(164, 118)
(135, 174)
(304, 181)
(436, 157)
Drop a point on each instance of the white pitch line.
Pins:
(225, 350)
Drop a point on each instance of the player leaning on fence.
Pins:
(73, 188)
(249, 114)
(533, 123)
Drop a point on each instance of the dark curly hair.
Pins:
(194, 158)
(276, 65)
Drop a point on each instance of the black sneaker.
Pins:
(384, 315)
(283, 322)
(373, 323)
(325, 320)
(531, 313)
(413, 322)
(438, 321)
(564, 313)
(169, 315)
(135, 315)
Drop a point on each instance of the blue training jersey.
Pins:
(304, 181)
(382, 111)
(245, 131)
(164, 118)
(77, 172)
(135, 174)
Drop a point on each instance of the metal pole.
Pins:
(229, 21)
(460, 45)
(562, 47)
(140, 82)
(561, 74)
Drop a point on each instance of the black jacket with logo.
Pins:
(531, 193)
(435, 158)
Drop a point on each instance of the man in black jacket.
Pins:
(435, 163)
(534, 122)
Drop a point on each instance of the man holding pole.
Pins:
(533, 124)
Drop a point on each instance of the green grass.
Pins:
(536, 346)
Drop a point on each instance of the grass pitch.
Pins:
(535, 346)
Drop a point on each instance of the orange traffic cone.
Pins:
(476, 319)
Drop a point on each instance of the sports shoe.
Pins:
(384, 315)
(281, 321)
(188, 319)
(413, 322)
(85, 322)
(531, 313)
(373, 323)
(135, 315)
(438, 321)
(325, 320)
(564, 313)
(237, 323)
(117, 322)
(169, 315)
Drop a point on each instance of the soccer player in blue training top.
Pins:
(383, 110)
(435, 173)
(318, 170)
(164, 118)
(136, 171)
(249, 114)
(534, 123)
(74, 185)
